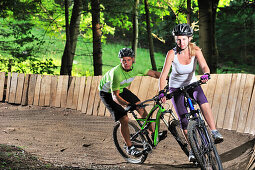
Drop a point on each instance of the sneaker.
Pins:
(218, 138)
(162, 135)
(191, 156)
(132, 150)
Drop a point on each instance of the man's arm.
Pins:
(116, 97)
(153, 73)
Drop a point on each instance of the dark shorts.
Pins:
(178, 103)
(116, 110)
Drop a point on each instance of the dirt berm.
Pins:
(67, 138)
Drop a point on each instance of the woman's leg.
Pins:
(207, 112)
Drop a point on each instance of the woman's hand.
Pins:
(162, 96)
(204, 78)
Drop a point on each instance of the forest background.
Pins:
(83, 37)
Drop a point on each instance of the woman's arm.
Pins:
(166, 69)
(201, 61)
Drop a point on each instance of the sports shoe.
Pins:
(191, 156)
(161, 135)
(132, 150)
(218, 138)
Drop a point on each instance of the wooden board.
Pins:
(239, 102)
(13, 88)
(252, 110)
(151, 92)
(31, 88)
(76, 92)
(224, 99)
(81, 92)
(250, 124)
(211, 88)
(231, 105)
(20, 86)
(92, 95)
(144, 87)
(107, 113)
(37, 90)
(245, 102)
(2, 80)
(70, 92)
(59, 89)
(217, 96)
(86, 95)
(97, 98)
(47, 90)
(101, 109)
(8, 87)
(42, 91)
(64, 91)
(135, 85)
(24, 100)
(53, 90)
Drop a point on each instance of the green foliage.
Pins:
(235, 33)
(40, 67)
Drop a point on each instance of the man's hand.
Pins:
(131, 107)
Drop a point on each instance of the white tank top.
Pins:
(182, 75)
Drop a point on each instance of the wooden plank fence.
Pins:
(232, 96)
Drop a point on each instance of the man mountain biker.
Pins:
(116, 96)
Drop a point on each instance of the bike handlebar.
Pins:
(170, 95)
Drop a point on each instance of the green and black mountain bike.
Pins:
(139, 131)
(198, 135)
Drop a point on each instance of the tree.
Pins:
(97, 33)
(207, 17)
(72, 32)
(189, 12)
(135, 26)
(148, 24)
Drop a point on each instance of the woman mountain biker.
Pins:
(116, 96)
(183, 59)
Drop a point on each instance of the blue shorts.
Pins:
(116, 110)
(178, 103)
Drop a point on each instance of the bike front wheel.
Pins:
(203, 147)
(137, 139)
(176, 130)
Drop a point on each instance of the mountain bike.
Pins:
(199, 139)
(140, 136)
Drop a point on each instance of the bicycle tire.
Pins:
(139, 142)
(203, 148)
(177, 132)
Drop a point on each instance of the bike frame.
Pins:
(198, 117)
(145, 122)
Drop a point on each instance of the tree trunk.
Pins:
(214, 42)
(207, 32)
(72, 33)
(135, 26)
(153, 63)
(65, 66)
(97, 46)
(189, 12)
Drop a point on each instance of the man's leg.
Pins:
(125, 130)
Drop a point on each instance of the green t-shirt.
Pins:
(117, 78)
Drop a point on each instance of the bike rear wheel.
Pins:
(137, 140)
(203, 147)
(177, 132)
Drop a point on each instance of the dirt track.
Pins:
(69, 138)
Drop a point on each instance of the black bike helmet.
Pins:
(126, 52)
(182, 29)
